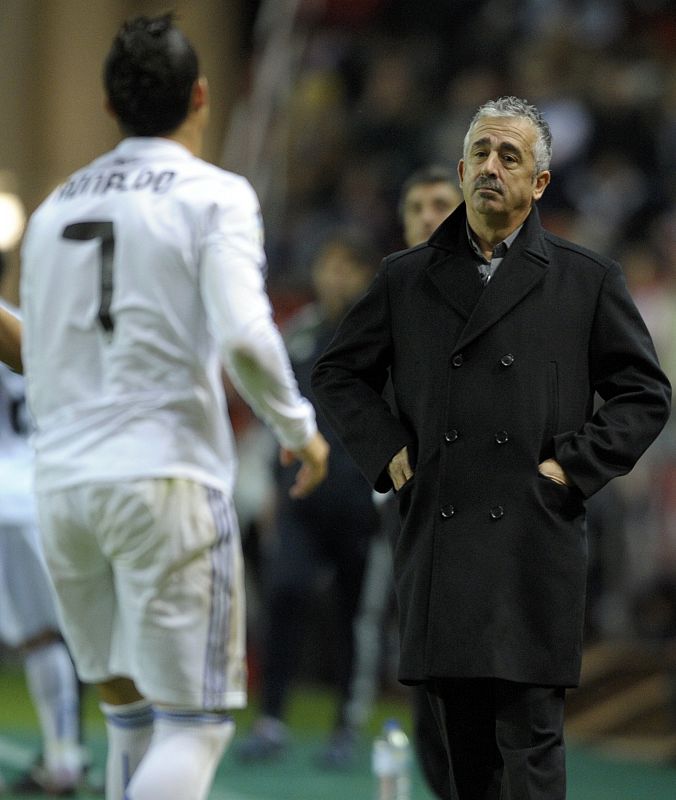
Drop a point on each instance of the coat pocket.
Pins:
(564, 500)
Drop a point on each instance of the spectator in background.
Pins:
(427, 197)
(331, 529)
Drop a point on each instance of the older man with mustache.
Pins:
(498, 336)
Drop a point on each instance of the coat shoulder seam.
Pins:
(564, 244)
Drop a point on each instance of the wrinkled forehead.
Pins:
(512, 132)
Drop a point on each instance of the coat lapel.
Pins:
(456, 275)
(518, 274)
(457, 278)
(453, 270)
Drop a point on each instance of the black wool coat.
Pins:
(490, 563)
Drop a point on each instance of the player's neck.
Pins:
(191, 132)
(189, 137)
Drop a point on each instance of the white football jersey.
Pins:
(17, 504)
(140, 276)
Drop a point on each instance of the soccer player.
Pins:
(28, 621)
(143, 275)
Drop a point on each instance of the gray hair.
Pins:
(521, 109)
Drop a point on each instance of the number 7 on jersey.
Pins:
(84, 232)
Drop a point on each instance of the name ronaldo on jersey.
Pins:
(116, 180)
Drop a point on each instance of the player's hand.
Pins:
(554, 471)
(399, 469)
(314, 458)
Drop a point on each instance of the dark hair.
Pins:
(149, 74)
(424, 176)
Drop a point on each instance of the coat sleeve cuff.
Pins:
(579, 470)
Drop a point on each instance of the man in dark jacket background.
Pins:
(498, 337)
(330, 532)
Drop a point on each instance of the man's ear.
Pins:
(109, 108)
(200, 94)
(541, 183)
(461, 169)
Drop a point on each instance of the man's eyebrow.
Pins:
(512, 148)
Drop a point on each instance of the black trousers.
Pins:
(429, 746)
(308, 537)
(504, 740)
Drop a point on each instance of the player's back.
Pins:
(123, 374)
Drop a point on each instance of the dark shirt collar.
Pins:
(500, 249)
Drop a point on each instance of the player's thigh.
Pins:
(179, 581)
(81, 577)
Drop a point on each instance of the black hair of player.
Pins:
(149, 75)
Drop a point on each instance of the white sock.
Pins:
(185, 751)
(52, 684)
(129, 728)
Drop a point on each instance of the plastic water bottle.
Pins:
(391, 762)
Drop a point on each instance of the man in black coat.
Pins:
(498, 337)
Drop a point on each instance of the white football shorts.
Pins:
(150, 584)
(27, 607)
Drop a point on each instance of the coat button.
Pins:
(447, 511)
(502, 437)
(496, 512)
(451, 436)
(457, 360)
(507, 360)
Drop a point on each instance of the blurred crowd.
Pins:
(371, 90)
(346, 99)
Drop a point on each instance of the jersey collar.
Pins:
(137, 146)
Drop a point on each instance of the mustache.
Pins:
(484, 182)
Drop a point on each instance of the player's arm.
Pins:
(10, 339)
(258, 366)
(250, 344)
